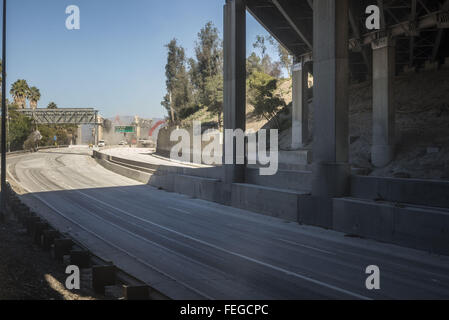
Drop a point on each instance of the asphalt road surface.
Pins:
(193, 249)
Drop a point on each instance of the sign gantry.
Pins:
(62, 116)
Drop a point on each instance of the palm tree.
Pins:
(34, 96)
(52, 105)
(19, 91)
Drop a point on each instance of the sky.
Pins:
(116, 61)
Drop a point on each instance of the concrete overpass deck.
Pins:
(146, 155)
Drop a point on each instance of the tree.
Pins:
(268, 66)
(31, 143)
(52, 105)
(19, 91)
(33, 95)
(286, 59)
(195, 81)
(262, 95)
(178, 94)
(20, 127)
(253, 64)
(207, 65)
(208, 53)
(213, 95)
(261, 45)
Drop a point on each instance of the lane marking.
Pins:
(180, 210)
(307, 247)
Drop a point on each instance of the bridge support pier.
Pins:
(79, 136)
(234, 83)
(138, 128)
(300, 104)
(100, 129)
(331, 77)
(383, 105)
(331, 168)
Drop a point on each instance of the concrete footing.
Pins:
(412, 191)
(419, 228)
(331, 179)
(48, 238)
(30, 222)
(315, 211)
(38, 230)
(80, 258)
(61, 248)
(136, 292)
(103, 276)
(277, 203)
(382, 155)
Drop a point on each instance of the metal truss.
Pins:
(62, 116)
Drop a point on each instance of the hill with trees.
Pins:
(195, 85)
(23, 132)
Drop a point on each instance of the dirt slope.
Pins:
(422, 104)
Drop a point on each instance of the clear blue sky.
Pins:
(116, 62)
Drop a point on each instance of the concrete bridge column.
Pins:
(138, 128)
(234, 83)
(100, 128)
(383, 105)
(96, 127)
(331, 77)
(79, 136)
(300, 104)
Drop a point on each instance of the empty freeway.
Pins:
(193, 249)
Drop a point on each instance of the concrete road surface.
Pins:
(147, 155)
(192, 249)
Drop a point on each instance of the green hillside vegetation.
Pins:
(195, 85)
(22, 130)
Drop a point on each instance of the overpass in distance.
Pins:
(75, 116)
(70, 116)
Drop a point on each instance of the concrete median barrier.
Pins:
(80, 258)
(136, 292)
(103, 276)
(61, 248)
(37, 231)
(30, 224)
(48, 238)
(415, 227)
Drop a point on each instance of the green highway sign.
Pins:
(125, 129)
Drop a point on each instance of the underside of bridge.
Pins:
(418, 27)
(330, 39)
